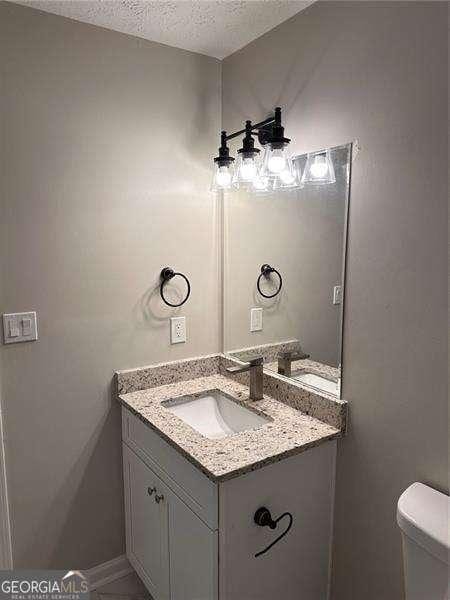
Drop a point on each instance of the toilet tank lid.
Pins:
(423, 515)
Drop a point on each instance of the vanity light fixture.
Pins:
(319, 169)
(276, 166)
(277, 170)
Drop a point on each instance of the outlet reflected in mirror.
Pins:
(303, 233)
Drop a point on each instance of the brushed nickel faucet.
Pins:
(255, 366)
(285, 361)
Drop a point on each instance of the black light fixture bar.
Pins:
(259, 125)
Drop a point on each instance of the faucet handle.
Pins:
(237, 369)
(256, 361)
(294, 355)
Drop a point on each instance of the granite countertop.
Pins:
(307, 363)
(289, 432)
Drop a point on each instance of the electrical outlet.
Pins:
(337, 294)
(177, 330)
(256, 319)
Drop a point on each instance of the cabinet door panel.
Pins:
(193, 555)
(146, 525)
(185, 480)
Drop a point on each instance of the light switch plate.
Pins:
(337, 294)
(177, 330)
(256, 319)
(19, 327)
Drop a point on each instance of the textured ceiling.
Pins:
(213, 27)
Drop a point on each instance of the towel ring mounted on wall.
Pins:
(266, 270)
(166, 275)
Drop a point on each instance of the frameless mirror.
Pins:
(284, 272)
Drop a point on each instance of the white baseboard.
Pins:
(6, 561)
(108, 571)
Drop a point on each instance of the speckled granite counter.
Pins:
(307, 363)
(289, 432)
(318, 404)
(269, 352)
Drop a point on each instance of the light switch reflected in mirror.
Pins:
(303, 232)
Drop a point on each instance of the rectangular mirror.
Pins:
(294, 239)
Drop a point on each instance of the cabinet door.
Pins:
(193, 555)
(146, 524)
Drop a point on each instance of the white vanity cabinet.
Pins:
(192, 539)
(172, 550)
(171, 525)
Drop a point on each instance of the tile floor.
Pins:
(129, 587)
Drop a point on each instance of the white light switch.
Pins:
(337, 294)
(26, 326)
(177, 330)
(13, 329)
(19, 327)
(256, 319)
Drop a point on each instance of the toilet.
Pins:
(423, 517)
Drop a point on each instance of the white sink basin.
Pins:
(314, 380)
(214, 414)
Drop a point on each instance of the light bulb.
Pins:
(319, 167)
(248, 169)
(287, 177)
(260, 183)
(277, 161)
(223, 177)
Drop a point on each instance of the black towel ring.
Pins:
(166, 275)
(266, 270)
(263, 518)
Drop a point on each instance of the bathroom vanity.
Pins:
(228, 490)
(200, 459)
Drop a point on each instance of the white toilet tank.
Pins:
(423, 517)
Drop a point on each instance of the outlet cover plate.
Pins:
(337, 294)
(177, 330)
(256, 319)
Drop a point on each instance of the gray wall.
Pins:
(300, 233)
(376, 72)
(90, 211)
(106, 145)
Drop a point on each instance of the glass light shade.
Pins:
(246, 170)
(319, 169)
(222, 177)
(276, 160)
(287, 179)
(261, 184)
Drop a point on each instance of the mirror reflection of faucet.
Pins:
(314, 378)
(285, 361)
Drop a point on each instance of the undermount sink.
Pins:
(214, 414)
(320, 382)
